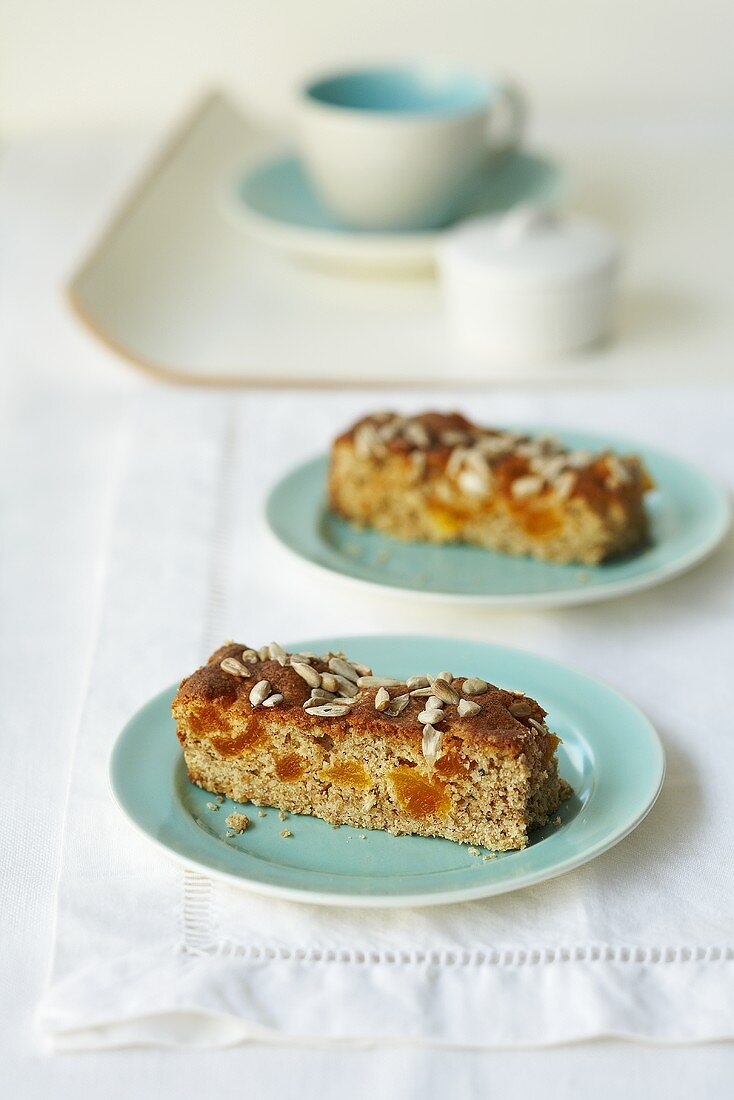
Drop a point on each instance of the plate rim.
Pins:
(587, 593)
(419, 900)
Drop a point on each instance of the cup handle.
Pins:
(511, 108)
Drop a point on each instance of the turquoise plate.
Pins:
(610, 755)
(274, 202)
(690, 516)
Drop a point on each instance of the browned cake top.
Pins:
(520, 465)
(472, 710)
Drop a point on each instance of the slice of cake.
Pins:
(439, 478)
(435, 755)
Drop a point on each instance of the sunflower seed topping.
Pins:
(264, 652)
(329, 710)
(234, 667)
(421, 693)
(347, 687)
(260, 692)
(416, 682)
(361, 670)
(343, 668)
(526, 486)
(273, 700)
(431, 743)
(520, 709)
(378, 682)
(475, 686)
(467, 708)
(445, 692)
(397, 705)
(310, 675)
(447, 676)
(434, 703)
(249, 655)
(432, 716)
(565, 484)
(276, 651)
(382, 699)
(540, 727)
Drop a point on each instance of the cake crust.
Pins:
(483, 771)
(438, 477)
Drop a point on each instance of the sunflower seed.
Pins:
(433, 716)
(361, 670)
(416, 434)
(431, 743)
(264, 652)
(249, 655)
(329, 681)
(578, 459)
(273, 700)
(473, 484)
(322, 693)
(344, 700)
(520, 709)
(397, 705)
(443, 689)
(302, 658)
(539, 726)
(260, 692)
(416, 682)
(467, 708)
(382, 699)
(422, 693)
(456, 461)
(347, 687)
(474, 686)
(343, 668)
(276, 651)
(434, 703)
(447, 676)
(329, 710)
(234, 667)
(419, 462)
(310, 675)
(367, 442)
(565, 484)
(526, 486)
(378, 682)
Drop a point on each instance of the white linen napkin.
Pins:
(638, 943)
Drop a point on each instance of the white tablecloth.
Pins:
(64, 415)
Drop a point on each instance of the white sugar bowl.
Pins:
(528, 284)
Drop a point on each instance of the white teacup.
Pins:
(398, 148)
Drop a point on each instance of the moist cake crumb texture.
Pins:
(437, 477)
(434, 755)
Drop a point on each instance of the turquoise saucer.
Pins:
(276, 203)
(610, 755)
(689, 517)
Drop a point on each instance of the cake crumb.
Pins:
(490, 855)
(261, 813)
(230, 833)
(212, 806)
(474, 852)
(238, 822)
(219, 799)
(557, 820)
(282, 815)
(286, 832)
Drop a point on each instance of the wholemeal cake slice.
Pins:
(438, 477)
(433, 755)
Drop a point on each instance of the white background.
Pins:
(101, 66)
(107, 62)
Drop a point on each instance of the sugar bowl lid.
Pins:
(532, 247)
